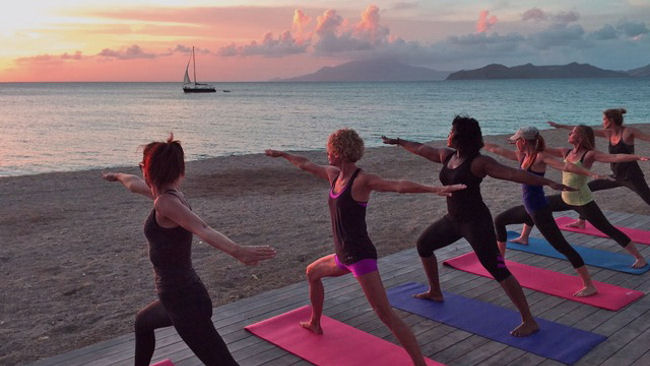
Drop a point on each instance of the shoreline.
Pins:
(76, 263)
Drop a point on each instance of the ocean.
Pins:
(50, 127)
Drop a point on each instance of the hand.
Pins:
(273, 153)
(643, 158)
(553, 124)
(603, 176)
(389, 141)
(251, 255)
(447, 190)
(111, 177)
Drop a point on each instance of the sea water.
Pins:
(47, 127)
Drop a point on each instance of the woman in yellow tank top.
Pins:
(584, 155)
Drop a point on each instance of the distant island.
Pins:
(390, 70)
(530, 71)
(371, 70)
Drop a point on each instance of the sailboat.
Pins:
(194, 87)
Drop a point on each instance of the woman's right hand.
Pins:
(389, 141)
(110, 176)
(252, 255)
(273, 153)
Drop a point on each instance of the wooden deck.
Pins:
(628, 330)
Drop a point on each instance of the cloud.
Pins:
(485, 21)
(50, 59)
(132, 52)
(300, 23)
(284, 45)
(539, 15)
(534, 14)
(632, 29)
(558, 36)
(404, 5)
(607, 32)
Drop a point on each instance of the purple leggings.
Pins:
(359, 268)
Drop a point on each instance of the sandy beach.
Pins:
(74, 258)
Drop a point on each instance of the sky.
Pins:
(146, 40)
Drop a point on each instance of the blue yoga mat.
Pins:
(593, 257)
(555, 341)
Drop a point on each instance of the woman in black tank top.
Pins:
(620, 141)
(183, 300)
(354, 252)
(468, 217)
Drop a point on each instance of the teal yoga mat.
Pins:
(592, 257)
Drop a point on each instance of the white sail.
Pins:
(186, 79)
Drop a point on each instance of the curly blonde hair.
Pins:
(346, 144)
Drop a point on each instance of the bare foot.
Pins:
(578, 224)
(639, 262)
(525, 329)
(437, 297)
(314, 328)
(586, 291)
(520, 240)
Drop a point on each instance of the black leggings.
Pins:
(543, 218)
(480, 235)
(593, 214)
(189, 310)
(637, 184)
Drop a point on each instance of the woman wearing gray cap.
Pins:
(584, 155)
(536, 210)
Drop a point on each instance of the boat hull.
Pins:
(199, 90)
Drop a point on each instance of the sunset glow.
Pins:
(76, 40)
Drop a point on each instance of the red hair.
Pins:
(163, 162)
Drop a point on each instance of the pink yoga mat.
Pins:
(163, 363)
(637, 235)
(340, 344)
(609, 297)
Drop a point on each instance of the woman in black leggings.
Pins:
(621, 141)
(584, 155)
(468, 217)
(531, 157)
(183, 300)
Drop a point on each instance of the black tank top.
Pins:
(629, 170)
(466, 204)
(351, 240)
(170, 252)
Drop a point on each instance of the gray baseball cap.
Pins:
(526, 133)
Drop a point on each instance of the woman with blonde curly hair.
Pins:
(354, 251)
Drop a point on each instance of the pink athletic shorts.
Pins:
(359, 268)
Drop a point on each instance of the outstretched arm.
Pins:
(597, 131)
(379, 184)
(173, 209)
(131, 182)
(434, 154)
(302, 162)
(638, 134)
(613, 158)
(488, 166)
(506, 153)
(569, 167)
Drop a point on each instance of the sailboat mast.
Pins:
(194, 60)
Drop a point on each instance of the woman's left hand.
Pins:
(389, 141)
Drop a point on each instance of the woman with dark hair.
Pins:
(621, 141)
(532, 158)
(354, 252)
(183, 300)
(584, 155)
(468, 217)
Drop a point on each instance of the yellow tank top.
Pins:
(583, 194)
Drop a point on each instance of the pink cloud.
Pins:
(485, 21)
(131, 52)
(300, 23)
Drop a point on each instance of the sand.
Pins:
(74, 259)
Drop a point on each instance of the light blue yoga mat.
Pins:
(555, 341)
(593, 257)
